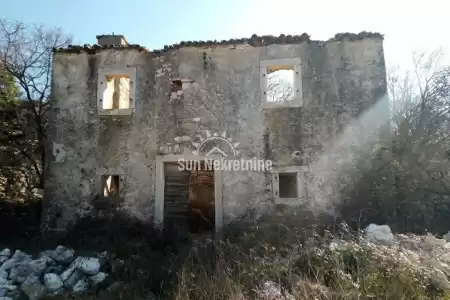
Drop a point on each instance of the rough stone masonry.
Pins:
(185, 96)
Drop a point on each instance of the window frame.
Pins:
(299, 171)
(101, 86)
(103, 179)
(298, 85)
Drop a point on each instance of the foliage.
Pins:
(408, 185)
(302, 262)
(25, 60)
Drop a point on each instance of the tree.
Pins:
(419, 160)
(280, 86)
(26, 56)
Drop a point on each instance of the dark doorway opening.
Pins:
(189, 198)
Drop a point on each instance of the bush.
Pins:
(299, 259)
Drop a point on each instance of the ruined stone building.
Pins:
(122, 117)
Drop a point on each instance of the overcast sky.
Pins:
(407, 25)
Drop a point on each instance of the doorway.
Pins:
(201, 201)
(190, 199)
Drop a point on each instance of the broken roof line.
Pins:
(254, 40)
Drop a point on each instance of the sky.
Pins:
(407, 25)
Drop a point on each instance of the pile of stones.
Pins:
(53, 272)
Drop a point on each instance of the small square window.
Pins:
(288, 187)
(116, 91)
(281, 83)
(110, 185)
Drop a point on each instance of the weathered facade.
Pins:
(190, 94)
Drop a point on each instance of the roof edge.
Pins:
(254, 41)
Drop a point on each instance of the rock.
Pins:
(76, 276)
(6, 298)
(80, 286)
(39, 265)
(9, 264)
(9, 287)
(445, 237)
(63, 255)
(97, 278)
(48, 261)
(33, 288)
(24, 268)
(73, 266)
(46, 253)
(90, 265)
(3, 274)
(21, 256)
(430, 242)
(5, 252)
(58, 269)
(379, 234)
(3, 281)
(52, 282)
(16, 295)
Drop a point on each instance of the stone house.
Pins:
(125, 122)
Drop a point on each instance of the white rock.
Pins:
(52, 282)
(9, 287)
(90, 265)
(24, 268)
(9, 264)
(73, 279)
(3, 274)
(80, 286)
(5, 252)
(63, 255)
(4, 281)
(33, 288)
(379, 234)
(20, 256)
(73, 266)
(97, 278)
(445, 237)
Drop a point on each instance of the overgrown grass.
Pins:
(298, 258)
(288, 248)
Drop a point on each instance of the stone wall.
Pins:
(220, 91)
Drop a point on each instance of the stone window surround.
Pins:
(296, 63)
(102, 74)
(300, 170)
(158, 213)
(110, 171)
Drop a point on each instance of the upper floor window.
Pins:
(281, 83)
(116, 90)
